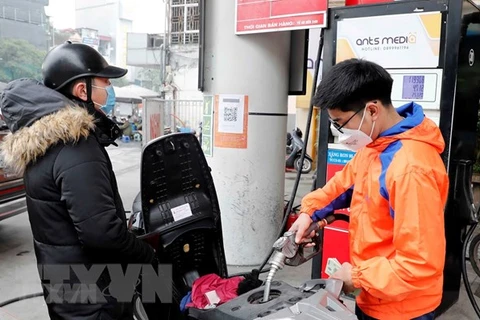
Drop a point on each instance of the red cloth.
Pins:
(226, 290)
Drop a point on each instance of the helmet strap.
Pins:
(88, 82)
(90, 105)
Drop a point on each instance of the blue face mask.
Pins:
(107, 108)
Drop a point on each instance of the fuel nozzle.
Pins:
(287, 250)
(277, 262)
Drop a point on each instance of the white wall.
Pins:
(184, 64)
(101, 15)
(123, 28)
(108, 17)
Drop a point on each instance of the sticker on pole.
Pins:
(181, 212)
(260, 16)
(231, 121)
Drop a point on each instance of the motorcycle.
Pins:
(294, 149)
(177, 212)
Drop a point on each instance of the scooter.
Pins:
(294, 148)
(177, 212)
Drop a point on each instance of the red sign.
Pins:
(154, 126)
(258, 16)
(336, 235)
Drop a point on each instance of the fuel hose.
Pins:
(21, 298)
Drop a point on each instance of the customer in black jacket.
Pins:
(58, 142)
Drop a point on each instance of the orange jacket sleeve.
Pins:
(418, 202)
(336, 194)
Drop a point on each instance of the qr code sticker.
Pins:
(230, 114)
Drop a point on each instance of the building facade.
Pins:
(25, 19)
(112, 19)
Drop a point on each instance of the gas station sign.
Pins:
(393, 41)
(259, 16)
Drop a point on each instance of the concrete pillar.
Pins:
(249, 182)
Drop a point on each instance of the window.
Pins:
(154, 41)
(31, 16)
(185, 22)
(182, 2)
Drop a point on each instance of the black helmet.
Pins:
(70, 61)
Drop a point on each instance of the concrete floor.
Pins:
(18, 274)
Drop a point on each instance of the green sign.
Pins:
(207, 145)
(207, 126)
(207, 105)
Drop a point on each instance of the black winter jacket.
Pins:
(74, 207)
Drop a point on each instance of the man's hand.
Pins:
(345, 274)
(301, 226)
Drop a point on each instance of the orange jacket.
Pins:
(396, 188)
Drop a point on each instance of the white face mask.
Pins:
(355, 139)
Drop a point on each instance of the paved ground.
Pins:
(18, 274)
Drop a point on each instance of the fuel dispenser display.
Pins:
(423, 86)
(428, 48)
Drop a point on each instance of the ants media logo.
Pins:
(397, 40)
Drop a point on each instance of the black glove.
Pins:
(250, 282)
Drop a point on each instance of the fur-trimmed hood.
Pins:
(23, 147)
(38, 118)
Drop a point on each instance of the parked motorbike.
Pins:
(294, 149)
(177, 212)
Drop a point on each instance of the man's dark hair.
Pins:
(350, 84)
(67, 90)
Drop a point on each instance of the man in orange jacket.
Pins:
(396, 187)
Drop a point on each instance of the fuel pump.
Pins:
(431, 49)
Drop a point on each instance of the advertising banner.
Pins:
(394, 41)
(258, 16)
